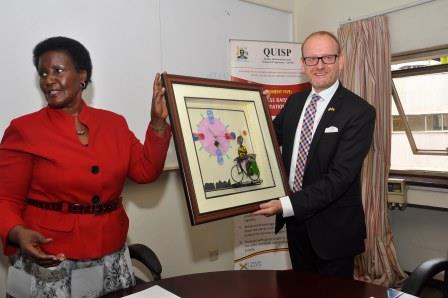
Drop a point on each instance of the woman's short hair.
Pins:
(77, 52)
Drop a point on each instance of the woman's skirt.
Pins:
(71, 278)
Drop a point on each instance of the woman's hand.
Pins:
(30, 243)
(159, 110)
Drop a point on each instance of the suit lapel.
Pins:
(331, 110)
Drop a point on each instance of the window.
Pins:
(434, 122)
(420, 112)
(397, 123)
(416, 122)
(445, 121)
(430, 122)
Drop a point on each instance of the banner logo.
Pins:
(241, 53)
(276, 52)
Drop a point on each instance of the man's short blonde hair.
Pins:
(329, 34)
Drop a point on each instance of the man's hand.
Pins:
(269, 208)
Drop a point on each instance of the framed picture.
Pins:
(226, 146)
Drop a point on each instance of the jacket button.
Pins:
(95, 200)
(95, 169)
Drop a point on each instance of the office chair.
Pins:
(415, 283)
(147, 257)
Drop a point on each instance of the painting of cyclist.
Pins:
(246, 161)
(242, 150)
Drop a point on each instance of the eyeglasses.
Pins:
(327, 59)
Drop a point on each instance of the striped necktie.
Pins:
(306, 136)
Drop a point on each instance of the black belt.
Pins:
(96, 209)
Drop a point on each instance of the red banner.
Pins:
(278, 94)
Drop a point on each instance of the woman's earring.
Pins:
(83, 85)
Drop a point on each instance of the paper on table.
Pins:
(152, 292)
(392, 293)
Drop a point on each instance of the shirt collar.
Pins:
(328, 93)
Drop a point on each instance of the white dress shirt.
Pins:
(322, 103)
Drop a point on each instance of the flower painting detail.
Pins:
(225, 150)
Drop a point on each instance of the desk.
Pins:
(261, 284)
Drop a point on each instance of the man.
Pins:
(242, 150)
(325, 135)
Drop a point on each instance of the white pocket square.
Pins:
(331, 129)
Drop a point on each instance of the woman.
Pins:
(62, 171)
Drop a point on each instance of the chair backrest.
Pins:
(147, 257)
(415, 283)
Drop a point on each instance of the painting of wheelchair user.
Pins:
(230, 150)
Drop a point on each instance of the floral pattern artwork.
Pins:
(214, 136)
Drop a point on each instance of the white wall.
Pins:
(285, 5)
(418, 27)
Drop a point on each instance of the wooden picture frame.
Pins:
(212, 121)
